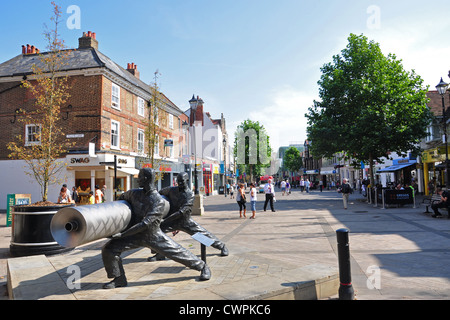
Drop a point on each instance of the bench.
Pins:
(428, 201)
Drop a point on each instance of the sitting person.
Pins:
(444, 203)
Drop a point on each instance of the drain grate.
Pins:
(360, 211)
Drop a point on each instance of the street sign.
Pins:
(15, 200)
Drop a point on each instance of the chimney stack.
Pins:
(88, 40)
(29, 50)
(132, 68)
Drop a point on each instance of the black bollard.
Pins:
(346, 291)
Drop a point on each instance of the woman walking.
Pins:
(240, 199)
(253, 199)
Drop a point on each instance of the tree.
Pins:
(153, 128)
(46, 141)
(252, 148)
(292, 159)
(370, 106)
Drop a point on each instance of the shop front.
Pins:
(167, 171)
(328, 177)
(85, 172)
(402, 171)
(217, 181)
(433, 168)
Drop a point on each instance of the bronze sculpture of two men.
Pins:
(147, 228)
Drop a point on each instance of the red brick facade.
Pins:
(90, 112)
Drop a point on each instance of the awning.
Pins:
(397, 167)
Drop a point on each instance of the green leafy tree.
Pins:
(252, 148)
(370, 106)
(292, 159)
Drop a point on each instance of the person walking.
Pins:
(253, 199)
(283, 187)
(270, 195)
(241, 200)
(346, 190)
(307, 185)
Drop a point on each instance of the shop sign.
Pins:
(168, 143)
(15, 200)
(79, 160)
(122, 161)
(399, 196)
(141, 163)
(433, 155)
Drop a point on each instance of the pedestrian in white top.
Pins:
(302, 185)
(253, 199)
(283, 187)
(270, 195)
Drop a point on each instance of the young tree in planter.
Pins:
(45, 143)
(370, 106)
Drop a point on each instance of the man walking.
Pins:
(346, 190)
(270, 194)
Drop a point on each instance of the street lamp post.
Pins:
(225, 166)
(197, 209)
(195, 150)
(442, 89)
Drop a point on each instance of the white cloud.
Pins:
(422, 46)
(284, 116)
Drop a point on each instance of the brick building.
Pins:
(108, 108)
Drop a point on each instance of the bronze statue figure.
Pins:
(181, 199)
(144, 231)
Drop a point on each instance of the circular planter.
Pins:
(30, 232)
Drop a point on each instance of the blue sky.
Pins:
(256, 59)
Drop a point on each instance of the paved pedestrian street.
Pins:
(396, 253)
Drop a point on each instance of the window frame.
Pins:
(117, 135)
(141, 107)
(28, 134)
(141, 143)
(156, 145)
(113, 103)
(171, 121)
